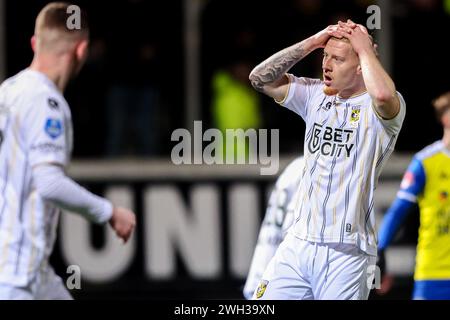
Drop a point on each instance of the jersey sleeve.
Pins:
(44, 131)
(53, 185)
(300, 93)
(392, 221)
(412, 185)
(393, 126)
(413, 181)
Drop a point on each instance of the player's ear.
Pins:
(358, 70)
(375, 49)
(82, 50)
(33, 43)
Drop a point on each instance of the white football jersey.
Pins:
(277, 220)
(346, 146)
(36, 128)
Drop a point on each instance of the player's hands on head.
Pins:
(123, 222)
(357, 34)
(350, 23)
(321, 38)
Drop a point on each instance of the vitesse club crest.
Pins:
(355, 115)
(261, 288)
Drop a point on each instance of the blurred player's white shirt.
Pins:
(277, 220)
(346, 146)
(36, 125)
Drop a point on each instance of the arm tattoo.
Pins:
(276, 66)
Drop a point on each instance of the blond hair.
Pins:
(52, 31)
(374, 46)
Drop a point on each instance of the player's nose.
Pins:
(326, 67)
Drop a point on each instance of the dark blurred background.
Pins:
(155, 66)
(132, 92)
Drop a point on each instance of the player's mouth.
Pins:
(327, 80)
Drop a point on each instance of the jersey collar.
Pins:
(43, 77)
(345, 101)
(445, 150)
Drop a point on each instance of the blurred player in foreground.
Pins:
(353, 118)
(279, 217)
(36, 129)
(427, 182)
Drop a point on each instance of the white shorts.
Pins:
(46, 286)
(303, 270)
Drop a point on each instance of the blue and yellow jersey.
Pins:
(427, 182)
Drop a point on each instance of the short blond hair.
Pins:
(374, 46)
(51, 29)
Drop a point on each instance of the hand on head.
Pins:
(351, 26)
(321, 38)
(357, 34)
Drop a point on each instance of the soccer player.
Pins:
(427, 182)
(277, 220)
(36, 131)
(353, 117)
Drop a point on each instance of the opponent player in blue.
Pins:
(427, 182)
